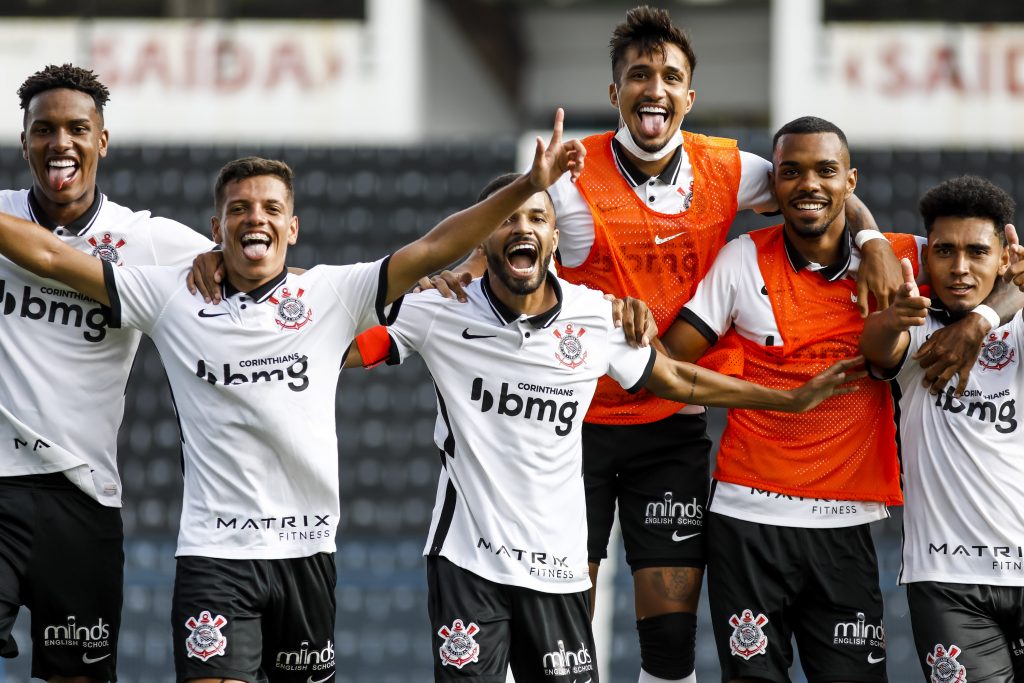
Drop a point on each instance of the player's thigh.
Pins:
(76, 587)
(18, 517)
(838, 617)
(754, 573)
(663, 492)
(552, 640)
(298, 624)
(601, 486)
(469, 623)
(957, 635)
(1012, 621)
(217, 618)
(662, 590)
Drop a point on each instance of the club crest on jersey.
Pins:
(945, 668)
(996, 354)
(106, 248)
(206, 639)
(747, 639)
(570, 352)
(459, 648)
(292, 311)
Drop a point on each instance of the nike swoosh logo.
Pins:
(466, 335)
(872, 660)
(91, 660)
(677, 537)
(320, 680)
(204, 314)
(662, 240)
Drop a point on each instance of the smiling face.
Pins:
(519, 252)
(255, 225)
(653, 94)
(63, 141)
(811, 180)
(963, 258)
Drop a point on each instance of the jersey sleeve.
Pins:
(139, 294)
(410, 328)
(755, 190)
(575, 222)
(361, 289)
(174, 244)
(713, 306)
(629, 366)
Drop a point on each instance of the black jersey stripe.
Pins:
(449, 441)
(444, 521)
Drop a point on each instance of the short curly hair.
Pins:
(649, 30)
(968, 196)
(64, 76)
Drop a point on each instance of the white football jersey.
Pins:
(65, 368)
(512, 391)
(254, 382)
(963, 467)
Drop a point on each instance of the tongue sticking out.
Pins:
(59, 176)
(653, 125)
(254, 251)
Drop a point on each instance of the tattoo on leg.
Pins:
(676, 583)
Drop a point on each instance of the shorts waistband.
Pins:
(53, 480)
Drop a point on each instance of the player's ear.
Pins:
(24, 147)
(613, 95)
(104, 140)
(554, 240)
(293, 230)
(215, 230)
(851, 181)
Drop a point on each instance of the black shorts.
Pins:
(658, 473)
(769, 583)
(966, 632)
(254, 620)
(480, 628)
(62, 556)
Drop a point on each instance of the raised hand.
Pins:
(837, 379)
(1015, 273)
(635, 319)
(909, 309)
(551, 161)
(879, 274)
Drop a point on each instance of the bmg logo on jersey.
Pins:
(306, 658)
(529, 407)
(88, 314)
(563, 662)
(294, 372)
(71, 633)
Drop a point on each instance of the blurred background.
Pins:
(394, 113)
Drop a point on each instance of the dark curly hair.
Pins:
(648, 30)
(250, 167)
(968, 196)
(65, 76)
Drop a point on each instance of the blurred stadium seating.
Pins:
(358, 204)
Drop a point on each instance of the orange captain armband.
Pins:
(374, 346)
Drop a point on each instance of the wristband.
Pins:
(864, 235)
(988, 314)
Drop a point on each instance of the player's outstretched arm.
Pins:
(687, 383)
(954, 349)
(885, 336)
(35, 249)
(461, 232)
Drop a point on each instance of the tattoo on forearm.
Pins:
(693, 386)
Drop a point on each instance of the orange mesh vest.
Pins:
(846, 447)
(633, 255)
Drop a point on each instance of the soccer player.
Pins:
(963, 456)
(515, 370)
(646, 219)
(62, 394)
(254, 381)
(790, 551)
